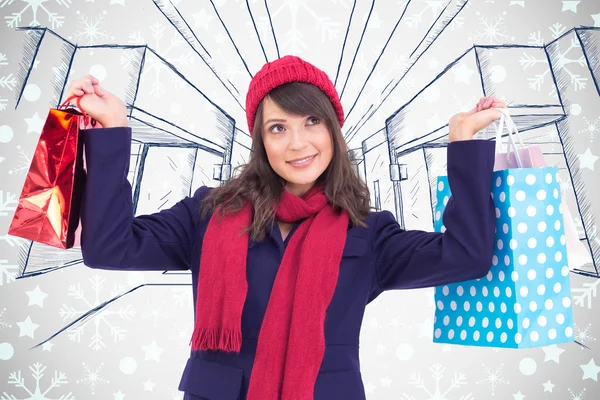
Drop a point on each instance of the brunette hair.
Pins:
(260, 184)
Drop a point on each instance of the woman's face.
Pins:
(299, 148)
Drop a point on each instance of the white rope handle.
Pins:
(512, 130)
(514, 126)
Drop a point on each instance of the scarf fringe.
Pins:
(216, 339)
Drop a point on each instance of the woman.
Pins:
(286, 256)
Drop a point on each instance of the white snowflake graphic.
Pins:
(437, 393)
(592, 129)
(528, 61)
(583, 296)
(293, 40)
(457, 23)
(535, 38)
(229, 70)
(181, 334)
(594, 235)
(584, 335)
(576, 395)
(154, 66)
(379, 81)
(494, 31)
(176, 395)
(155, 312)
(102, 318)
(92, 378)
(15, 19)
(8, 272)
(23, 164)
(8, 82)
(564, 182)
(493, 378)
(413, 20)
(183, 296)
(3, 321)
(578, 82)
(91, 30)
(379, 84)
(467, 104)
(37, 372)
(8, 203)
(561, 62)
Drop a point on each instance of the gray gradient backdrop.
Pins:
(136, 347)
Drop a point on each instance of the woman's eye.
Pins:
(276, 128)
(313, 120)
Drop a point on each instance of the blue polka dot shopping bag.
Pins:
(525, 300)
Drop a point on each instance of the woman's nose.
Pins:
(298, 138)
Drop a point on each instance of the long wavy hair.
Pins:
(259, 183)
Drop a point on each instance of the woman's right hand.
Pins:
(98, 103)
(464, 125)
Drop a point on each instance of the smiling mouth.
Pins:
(301, 161)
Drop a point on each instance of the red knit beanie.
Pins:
(284, 70)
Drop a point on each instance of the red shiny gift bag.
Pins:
(48, 208)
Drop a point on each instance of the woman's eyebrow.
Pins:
(274, 120)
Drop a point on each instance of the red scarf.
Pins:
(291, 342)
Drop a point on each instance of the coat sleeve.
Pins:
(408, 259)
(111, 237)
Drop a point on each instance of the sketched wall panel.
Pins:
(135, 162)
(163, 101)
(121, 78)
(409, 125)
(51, 57)
(204, 164)
(166, 177)
(192, 21)
(377, 168)
(231, 46)
(384, 75)
(502, 71)
(575, 82)
(240, 152)
(436, 165)
(590, 45)
(415, 193)
(530, 96)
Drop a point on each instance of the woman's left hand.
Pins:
(466, 124)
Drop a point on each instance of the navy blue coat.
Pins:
(377, 258)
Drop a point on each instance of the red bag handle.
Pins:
(86, 117)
